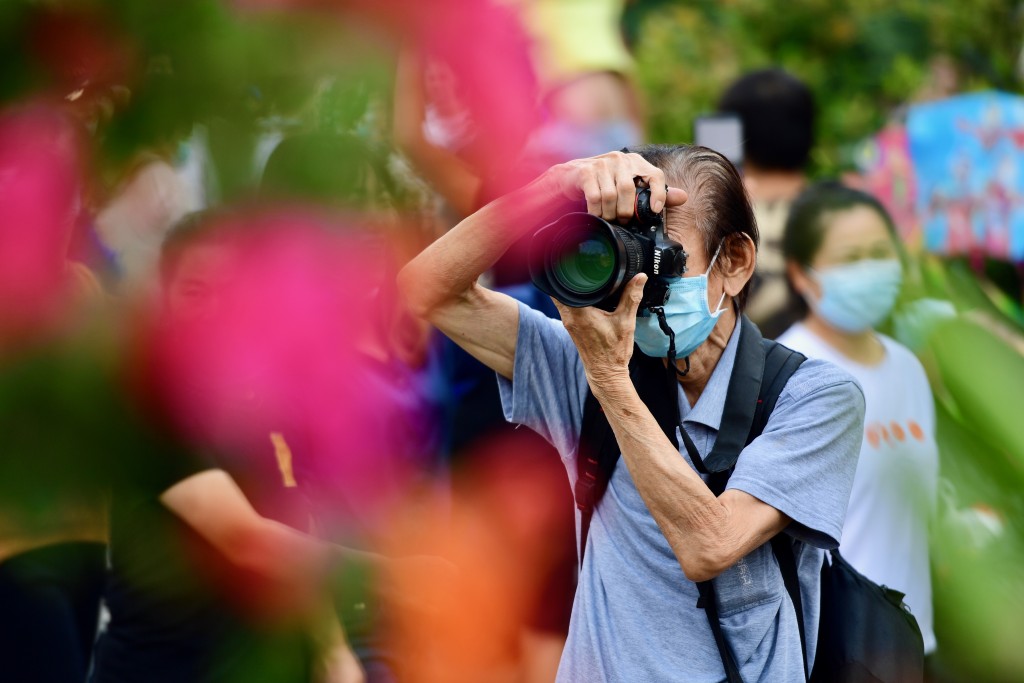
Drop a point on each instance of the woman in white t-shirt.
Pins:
(843, 262)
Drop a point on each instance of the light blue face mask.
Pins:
(857, 296)
(687, 315)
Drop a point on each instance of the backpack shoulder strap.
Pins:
(748, 381)
(595, 461)
(762, 369)
(780, 363)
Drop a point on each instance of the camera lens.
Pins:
(582, 260)
(584, 265)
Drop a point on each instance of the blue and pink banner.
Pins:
(953, 177)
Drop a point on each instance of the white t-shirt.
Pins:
(885, 536)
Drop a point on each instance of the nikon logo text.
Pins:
(657, 260)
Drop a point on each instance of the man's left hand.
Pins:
(605, 340)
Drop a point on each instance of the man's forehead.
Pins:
(681, 226)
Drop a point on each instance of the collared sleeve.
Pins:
(548, 384)
(804, 463)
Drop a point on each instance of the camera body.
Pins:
(583, 260)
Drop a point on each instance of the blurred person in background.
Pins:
(213, 576)
(843, 261)
(589, 100)
(132, 224)
(182, 530)
(345, 173)
(777, 113)
(585, 103)
(463, 118)
(52, 515)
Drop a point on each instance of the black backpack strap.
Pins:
(595, 462)
(708, 600)
(785, 555)
(710, 605)
(749, 375)
(779, 365)
(762, 369)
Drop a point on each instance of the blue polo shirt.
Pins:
(635, 617)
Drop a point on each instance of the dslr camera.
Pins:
(583, 260)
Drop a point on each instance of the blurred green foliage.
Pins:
(200, 61)
(862, 58)
(977, 370)
(192, 62)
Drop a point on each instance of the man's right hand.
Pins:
(607, 182)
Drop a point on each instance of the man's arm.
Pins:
(441, 283)
(707, 534)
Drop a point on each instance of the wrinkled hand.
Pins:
(605, 340)
(607, 183)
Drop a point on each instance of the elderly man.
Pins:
(659, 530)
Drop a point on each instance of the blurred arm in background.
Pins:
(451, 176)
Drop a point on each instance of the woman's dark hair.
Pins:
(808, 218)
(718, 200)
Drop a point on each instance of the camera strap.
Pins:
(659, 312)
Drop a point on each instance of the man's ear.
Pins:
(737, 262)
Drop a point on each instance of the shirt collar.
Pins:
(711, 403)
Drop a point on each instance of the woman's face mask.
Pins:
(856, 296)
(687, 314)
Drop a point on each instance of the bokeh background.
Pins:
(132, 114)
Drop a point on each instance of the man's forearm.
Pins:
(695, 523)
(450, 266)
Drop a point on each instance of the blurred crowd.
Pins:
(232, 453)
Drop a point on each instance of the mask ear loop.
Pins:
(718, 306)
(714, 258)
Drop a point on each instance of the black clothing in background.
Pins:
(178, 608)
(49, 611)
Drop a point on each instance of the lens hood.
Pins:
(583, 260)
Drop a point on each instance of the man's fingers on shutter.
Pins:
(677, 196)
(626, 189)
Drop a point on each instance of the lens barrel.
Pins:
(583, 260)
